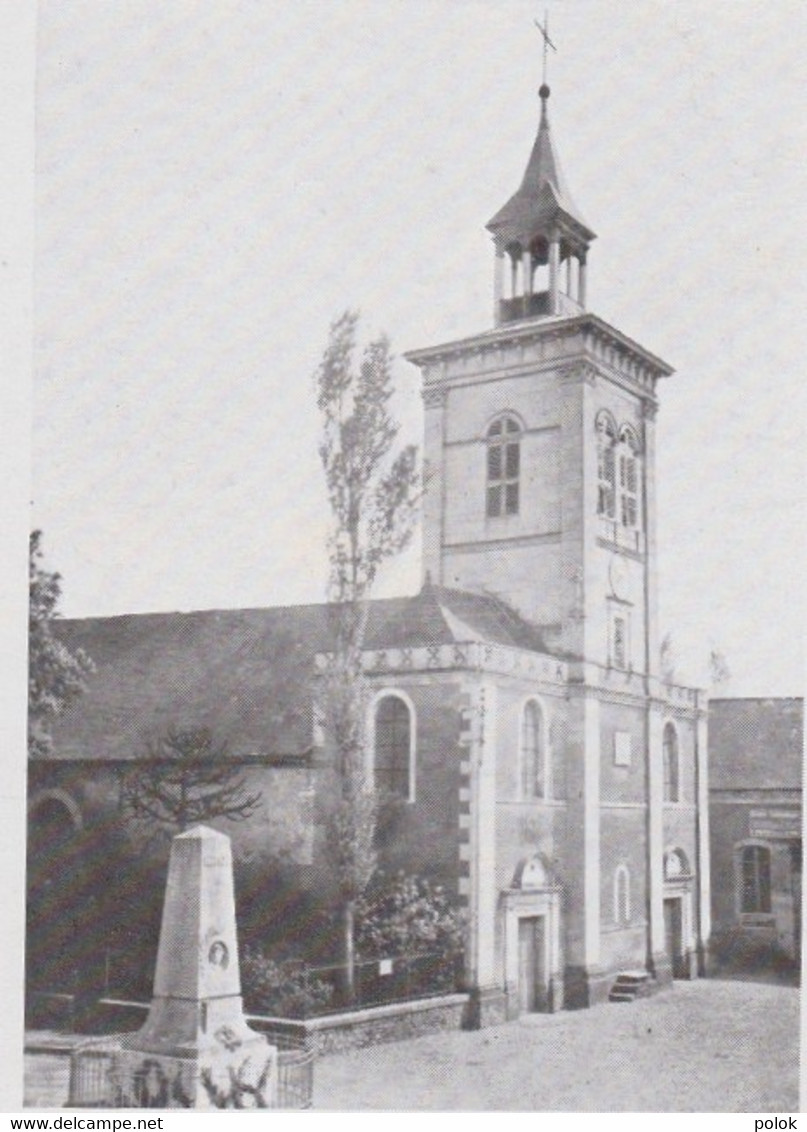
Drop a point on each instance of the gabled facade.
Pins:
(543, 773)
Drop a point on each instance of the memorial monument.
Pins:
(195, 1049)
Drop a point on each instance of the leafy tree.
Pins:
(186, 779)
(372, 487)
(56, 675)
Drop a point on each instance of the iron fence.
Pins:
(310, 991)
(385, 980)
(95, 1080)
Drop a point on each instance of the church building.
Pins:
(545, 773)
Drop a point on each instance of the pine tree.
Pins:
(185, 779)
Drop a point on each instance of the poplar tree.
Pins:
(372, 484)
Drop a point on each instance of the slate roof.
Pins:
(755, 743)
(542, 195)
(245, 674)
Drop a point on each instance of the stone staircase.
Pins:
(630, 985)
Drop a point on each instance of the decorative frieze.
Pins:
(578, 371)
(477, 656)
(434, 396)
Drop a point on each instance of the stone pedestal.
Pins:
(195, 1049)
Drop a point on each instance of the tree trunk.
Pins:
(348, 924)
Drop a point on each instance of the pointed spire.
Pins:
(543, 198)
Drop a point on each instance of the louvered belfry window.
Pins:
(606, 466)
(628, 479)
(504, 467)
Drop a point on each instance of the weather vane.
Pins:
(544, 30)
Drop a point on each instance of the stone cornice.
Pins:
(606, 343)
(636, 697)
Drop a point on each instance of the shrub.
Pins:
(283, 990)
(407, 915)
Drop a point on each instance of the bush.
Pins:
(405, 916)
(283, 990)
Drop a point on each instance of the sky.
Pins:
(216, 182)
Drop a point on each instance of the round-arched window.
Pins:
(393, 746)
(533, 755)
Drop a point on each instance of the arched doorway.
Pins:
(533, 962)
(53, 914)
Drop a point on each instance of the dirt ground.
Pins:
(706, 1046)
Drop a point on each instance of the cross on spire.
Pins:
(544, 30)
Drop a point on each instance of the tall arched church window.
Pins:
(606, 465)
(393, 745)
(504, 466)
(755, 879)
(628, 460)
(671, 767)
(621, 895)
(533, 755)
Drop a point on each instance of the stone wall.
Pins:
(356, 1029)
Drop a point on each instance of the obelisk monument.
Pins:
(195, 1049)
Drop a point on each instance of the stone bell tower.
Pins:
(540, 441)
(539, 435)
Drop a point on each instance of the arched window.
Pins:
(393, 747)
(628, 478)
(676, 865)
(533, 756)
(621, 895)
(671, 768)
(755, 879)
(504, 459)
(606, 465)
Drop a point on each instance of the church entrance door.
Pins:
(673, 934)
(532, 990)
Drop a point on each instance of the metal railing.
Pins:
(378, 982)
(95, 1077)
(313, 991)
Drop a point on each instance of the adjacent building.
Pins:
(755, 818)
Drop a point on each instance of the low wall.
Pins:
(330, 1034)
(373, 1026)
